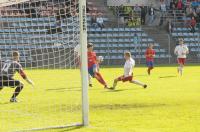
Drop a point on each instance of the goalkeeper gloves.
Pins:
(30, 81)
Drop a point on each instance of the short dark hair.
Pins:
(89, 45)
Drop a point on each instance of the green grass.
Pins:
(170, 104)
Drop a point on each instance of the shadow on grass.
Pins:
(71, 129)
(118, 90)
(5, 103)
(69, 89)
(55, 89)
(125, 106)
(167, 76)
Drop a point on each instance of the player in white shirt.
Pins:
(128, 72)
(181, 51)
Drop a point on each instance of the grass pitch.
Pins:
(170, 103)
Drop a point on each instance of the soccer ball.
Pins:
(100, 58)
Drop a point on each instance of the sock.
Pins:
(100, 79)
(90, 79)
(181, 71)
(17, 91)
(149, 70)
(137, 82)
(178, 69)
(114, 83)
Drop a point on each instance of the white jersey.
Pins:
(128, 67)
(181, 51)
(77, 50)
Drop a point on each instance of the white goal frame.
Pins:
(84, 72)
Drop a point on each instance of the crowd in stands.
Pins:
(35, 9)
(97, 20)
(136, 15)
(190, 10)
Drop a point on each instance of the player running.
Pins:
(128, 72)
(10, 67)
(93, 65)
(150, 54)
(181, 51)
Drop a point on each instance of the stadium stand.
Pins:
(42, 27)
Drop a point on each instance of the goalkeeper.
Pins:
(8, 70)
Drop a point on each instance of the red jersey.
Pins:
(150, 54)
(92, 59)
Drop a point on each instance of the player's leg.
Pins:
(115, 82)
(18, 88)
(181, 62)
(138, 83)
(98, 76)
(181, 66)
(100, 79)
(93, 72)
(90, 80)
(121, 78)
(150, 67)
(1, 83)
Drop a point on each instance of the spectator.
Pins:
(137, 8)
(151, 14)
(163, 7)
(100, 21)
(179, 5)
(172, 4)
(143, 14)
(193, 24)
(170, 26)
(94, 20)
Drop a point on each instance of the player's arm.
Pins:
(24, 76)
(175, 51)
(187, 50)
(154, 53)
(129, 68)
(146, 53)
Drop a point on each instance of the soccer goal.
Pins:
(45, 33)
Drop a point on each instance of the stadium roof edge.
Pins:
(10, 2)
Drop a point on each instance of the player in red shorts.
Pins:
(128, 72)
(93, 66)
(181, 51)
(150, 54)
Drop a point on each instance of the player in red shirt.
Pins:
(92, 65)
(150, 54)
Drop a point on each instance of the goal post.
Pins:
(84, 72)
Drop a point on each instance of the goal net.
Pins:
(45, 33)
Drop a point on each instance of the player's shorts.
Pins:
(181, 61)
(150, 63)
(92, 70)
(8, 82)
(125, 79)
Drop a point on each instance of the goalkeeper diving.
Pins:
(8, 70)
